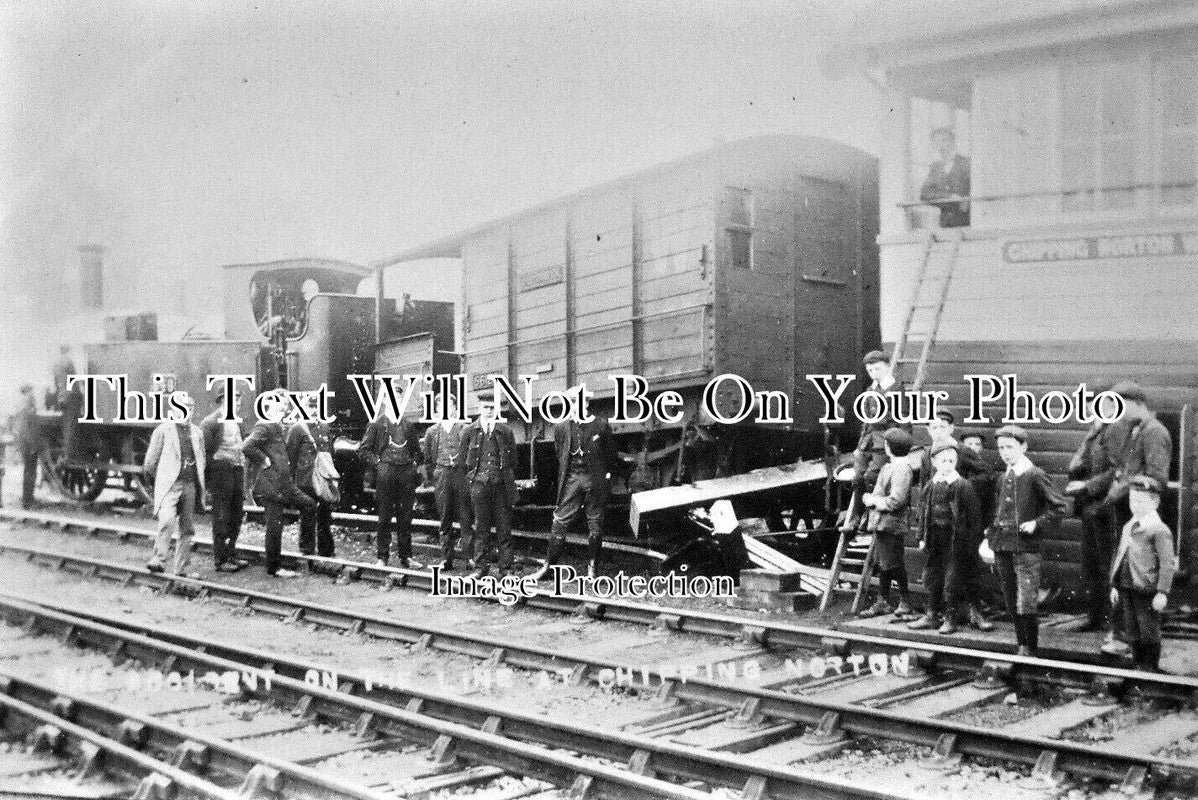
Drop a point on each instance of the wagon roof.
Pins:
(449, 246)
(286, 264)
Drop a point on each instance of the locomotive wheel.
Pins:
(76, 484)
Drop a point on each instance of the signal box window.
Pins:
(739, 209)
(1099, 111)
(1175, 117)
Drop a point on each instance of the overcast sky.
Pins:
(186, 135)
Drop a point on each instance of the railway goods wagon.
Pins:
(756, 257)
(1077, 258)
(294, 324)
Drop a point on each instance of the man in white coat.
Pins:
(175, 459)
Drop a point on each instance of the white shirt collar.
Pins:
(1022, 465)
(446, 425)
(949, 478)
(887, 383)
(1150, 518)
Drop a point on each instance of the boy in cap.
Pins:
(1142, 572)
(1026, 505)
(869, 457)
(950, 532)
(888, 504)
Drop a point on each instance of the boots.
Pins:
(880, 608)
(978, 620)
(1147, 656)
(1026, 633)
(949, 625)
(926, 622)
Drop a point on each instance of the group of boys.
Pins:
(966, 515)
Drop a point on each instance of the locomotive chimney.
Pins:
(91, 275)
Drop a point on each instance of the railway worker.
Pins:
(888, 520)
(586, 456)
(1027, 505)
(869, 456)
(273, 487)
(445, 469)
(1142, 571)
(306, 444)
(1143, 447)
(947, 184)
(1091, 472)
(226, 483)
(950, 532)
(176, 459)
(68, 400)
(28, 436)
(390, 446)
(489, 453)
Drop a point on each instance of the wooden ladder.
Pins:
(861, 559)
(899, 357)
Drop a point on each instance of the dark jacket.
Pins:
(267, 441)
(1093, 462)
(26, 430)
(1147, 450)
(940, 184)
(437, 441)
(301, 450)
(872, 433)
(1036, 498)
(598, 453)
(967, 516)
(1148, 551)
(472, 442)
(379, 434)
(970, 466)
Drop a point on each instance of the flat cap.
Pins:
(873, 357)
(946, 415)
(1011, 432)
(1147, 483)
(899, 441)
(1130, 390)
(940, 448)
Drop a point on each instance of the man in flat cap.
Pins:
(489, 453)
(28, 436)
(870, 454)
(1027, 505)
(1145, 448)
(1142, 572)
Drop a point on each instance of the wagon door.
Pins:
(538, 302)
(485, 306)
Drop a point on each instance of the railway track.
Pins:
(788, 718)
(587, 761)
(963, 654)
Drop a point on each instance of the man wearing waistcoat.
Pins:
(586, 455)
(488, 451)
(390, 445)
(445, 469)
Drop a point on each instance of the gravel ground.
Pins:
(891, 765)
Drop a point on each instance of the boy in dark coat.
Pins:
(1142, 572)
(950, 532)
(888, 521)
(1026, 506)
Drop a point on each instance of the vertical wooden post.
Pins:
(378, 304)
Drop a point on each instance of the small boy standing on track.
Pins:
(888, 504)
(1142, 572)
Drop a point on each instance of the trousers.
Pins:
(1098, 542)
(1141, 624)
(176, 517)
(273, 512)
(316, 531)
(29, 476)
(226, 484)
(952, 573)
(451, 489)
(492, 508)
(395, 494)
(578, 496)
(1019, 575)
